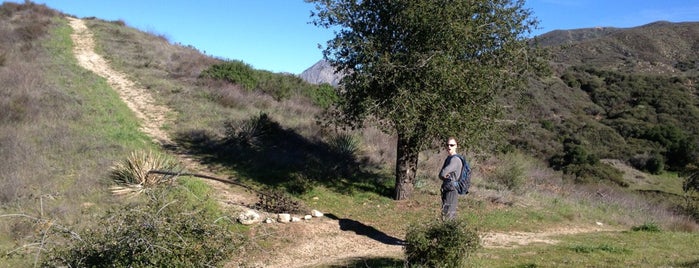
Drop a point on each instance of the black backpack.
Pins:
(464, 181)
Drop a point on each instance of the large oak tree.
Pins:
(425, 69)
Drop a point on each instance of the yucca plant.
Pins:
(134, 174)
(345, 144)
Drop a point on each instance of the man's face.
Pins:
(451, 146)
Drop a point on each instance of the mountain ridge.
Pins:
(634, 49)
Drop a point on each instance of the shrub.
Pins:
(234, 71)
(511, 172)
(323, 95)
(134, 174)
(249, 132)
(646, 227)
(299, 184)
(160, 233)
(440, 244)
(655, 163)
(344, 144)
(590, 173)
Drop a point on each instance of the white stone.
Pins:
(269, 220)
(316, 213)
(284, 217)
(307, 217)
(248, 217)
(599, 223)
(295, 219)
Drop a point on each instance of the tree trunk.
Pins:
(406, 166)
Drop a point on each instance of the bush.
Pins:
(655, 163)
(234, 71)
(344, 144)
(646, 227)
(511, 172)
(159, 233)
(440, 244)
(588, 173)
(323, 95)
(134, 174)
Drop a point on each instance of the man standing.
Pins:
(450, 173)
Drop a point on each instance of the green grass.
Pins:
(606, 249)
(80, 129)
(103, 129)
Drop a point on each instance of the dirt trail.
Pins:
(320, 241)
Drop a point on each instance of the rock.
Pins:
(316, 213)
(269, 220)
(295, 219)
(307, 217)
(284, 217)
(248, 217)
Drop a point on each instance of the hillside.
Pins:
(84, 94)
(609, 88)
(604, 80)
(659, 48)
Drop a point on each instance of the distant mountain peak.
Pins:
(321, 72)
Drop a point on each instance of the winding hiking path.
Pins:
(320, 241)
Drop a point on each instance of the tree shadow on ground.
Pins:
(365, 230)
(262, 150)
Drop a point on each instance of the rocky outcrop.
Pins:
(320, 73)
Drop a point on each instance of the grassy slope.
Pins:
(102, 130)
(60, 154)
(544, 202)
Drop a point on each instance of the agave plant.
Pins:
(134, 174)
(345, 144)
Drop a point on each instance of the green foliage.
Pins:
(687, 65)
(573, 154)
(584, 167)
(233, 71)
(690, 188)
(299, 184)
(691, 180)
(250, 132)
(681, 148)
(279, 86)
(603, 248)
(412, 64)
(511, 172)
(646, 227)
(345, 144)
(655, 109)
(440, 244)
(590, 173)
(158, 233)
(324, 95)
(654, 164)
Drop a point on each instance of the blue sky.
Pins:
(275, 35)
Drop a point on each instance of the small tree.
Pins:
(425, 70)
